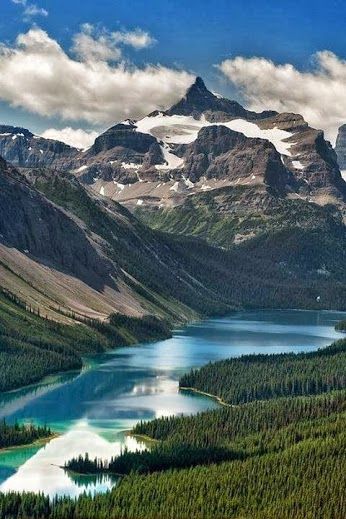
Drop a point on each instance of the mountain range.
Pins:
(193, 211)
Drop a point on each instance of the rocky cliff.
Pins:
(340, 147)
(24, 149)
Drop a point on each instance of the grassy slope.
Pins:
(220, 215)
(304, 257)
(154, 269)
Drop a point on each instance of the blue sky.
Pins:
(190, 35)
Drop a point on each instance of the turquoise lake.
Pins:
(92, 410)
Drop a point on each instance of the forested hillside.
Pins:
(290, 456)
(16, 434)
(32, 346)
(262, 377)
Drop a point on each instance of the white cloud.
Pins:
(30, 10)
(318, 94)
(88, 48)
(74, 137)
(93, 44)
(38, 75)
(137, 39)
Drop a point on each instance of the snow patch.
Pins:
(139, 202)
(130, 165)
(172, 161)
(175, 187)
(343, 174)
(188, 182)
(102, 191)
(82, 168)
(297, 164)
(121, 187)
(182, 129)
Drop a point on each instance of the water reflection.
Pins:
(93, 409)
(44, 471)
(91, 482)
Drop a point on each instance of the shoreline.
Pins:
(204, 393)
(87, 365)
(142, 437)
(37, 443)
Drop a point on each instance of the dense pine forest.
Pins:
(261, 377)
(32, 346)
(276, 458)
(12, 435)
(293, 456)
(341, 326)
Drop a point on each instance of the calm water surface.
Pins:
(92, 409)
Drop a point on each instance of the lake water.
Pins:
(91, 410)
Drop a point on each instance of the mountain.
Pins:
(63, 250)
(200, 101)
(136, 170)
(149, 162)
(24, 149)
(220, 208)
(340, 147)
(204, 176)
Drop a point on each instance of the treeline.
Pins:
(12, 435)
(262, 377)
(293, 469)
(160, 457)
(227, 425)
(341, 326)
(32, 346)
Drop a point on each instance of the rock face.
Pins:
(321, 170)
(33, 225)
(199, 100)
(123, 143)
(219, 152)
(340, 147)
(169, 155)
(24, 149)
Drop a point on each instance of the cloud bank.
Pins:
(319, 94)
(74, 137)
(38, 75)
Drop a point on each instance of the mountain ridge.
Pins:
(140, 162)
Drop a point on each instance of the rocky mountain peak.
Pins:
(198, 91)
(6, 129)
(198, 101)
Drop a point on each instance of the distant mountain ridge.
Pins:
(148, 162)
(24, 149)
